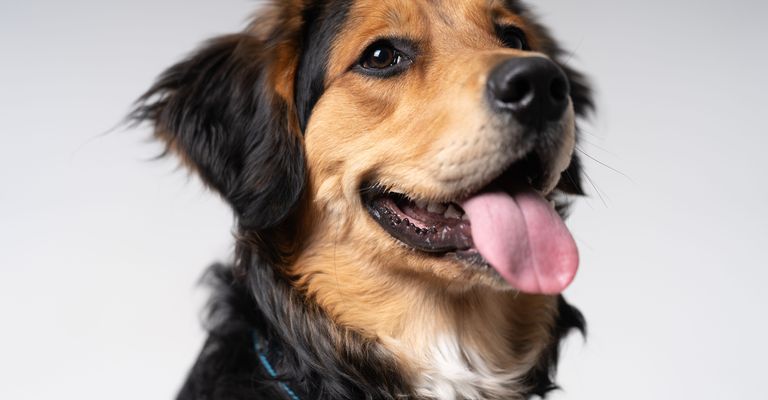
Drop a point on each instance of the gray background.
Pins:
(100, 248)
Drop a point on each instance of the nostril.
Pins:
(558, 89)
(517, 90)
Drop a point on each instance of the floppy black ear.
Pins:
(581, 96)
(219, 111)
(583, 106)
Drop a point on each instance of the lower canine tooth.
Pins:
(452, 212)
(421, 204)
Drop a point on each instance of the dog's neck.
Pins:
(452, 342)
(475, 344)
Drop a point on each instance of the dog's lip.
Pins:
(429, 227)
(451, 236)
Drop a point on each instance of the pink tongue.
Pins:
(524, 239)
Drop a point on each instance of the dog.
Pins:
(399, 172)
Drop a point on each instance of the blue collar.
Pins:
(262, 346)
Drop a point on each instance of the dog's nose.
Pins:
(534, 89)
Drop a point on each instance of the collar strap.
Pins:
(262, 347)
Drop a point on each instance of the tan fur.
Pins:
(430, 134)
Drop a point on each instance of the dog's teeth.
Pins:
(452, 212)
(436, 208)
(421, 204)
(553, 204)
(465, 217)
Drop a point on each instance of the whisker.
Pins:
(597, 191)
(603, 164)
(586, 132)
(571, 53)
(597, 146)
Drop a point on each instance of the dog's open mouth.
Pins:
(429, 227)
(508, 225)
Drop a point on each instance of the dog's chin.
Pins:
(440, 232)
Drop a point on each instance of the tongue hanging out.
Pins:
(524, 239)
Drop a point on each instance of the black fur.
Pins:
(218, 111)
(323, 20)
(306, 347)
(541, 379)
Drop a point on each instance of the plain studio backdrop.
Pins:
(101, 248)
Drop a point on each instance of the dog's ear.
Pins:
(222, 112)
(583, 105)
(581, 96)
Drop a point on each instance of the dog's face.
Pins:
(426, 104)
(387, 140)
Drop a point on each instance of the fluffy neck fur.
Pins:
(454, 343)
(324, 359)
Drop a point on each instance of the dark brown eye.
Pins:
(381, 55)
(512, 37)
(386, 58)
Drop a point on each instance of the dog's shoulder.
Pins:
(253, 353)
(226, 367)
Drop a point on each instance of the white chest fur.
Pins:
(450, 370)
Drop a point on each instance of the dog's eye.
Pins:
(380, 57)
(512, 37)
(383, 59)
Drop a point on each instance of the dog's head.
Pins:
(411, 140)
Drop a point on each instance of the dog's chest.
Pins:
(450, 370)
